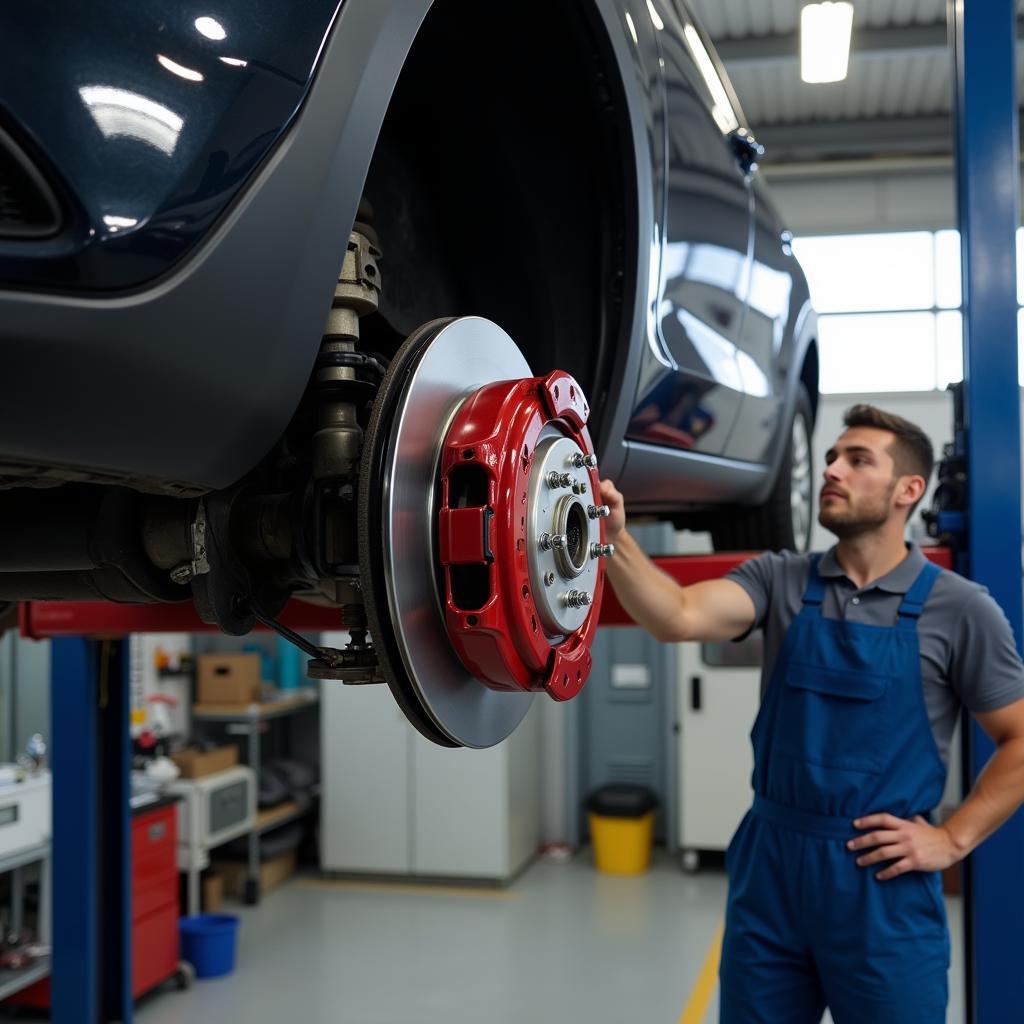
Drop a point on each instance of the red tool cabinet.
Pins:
(154, 897)
(154, 903)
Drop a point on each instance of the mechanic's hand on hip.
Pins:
(616, 521)
(908, 845)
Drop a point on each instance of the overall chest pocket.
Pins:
(833, 718)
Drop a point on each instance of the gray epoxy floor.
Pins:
(562, 945)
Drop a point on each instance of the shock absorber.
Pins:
(339, 438)
(344, 380)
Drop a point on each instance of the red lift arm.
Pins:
(42, 619)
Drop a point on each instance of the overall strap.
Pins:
(815, 592)
(914, 600)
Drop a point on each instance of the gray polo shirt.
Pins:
(968, 655)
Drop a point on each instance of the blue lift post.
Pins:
(984, 37)
(90, 979)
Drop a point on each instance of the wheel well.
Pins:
(503, 183)
(809, 376)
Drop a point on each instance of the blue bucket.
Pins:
(208, 943)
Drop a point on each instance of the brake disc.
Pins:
(479, 537)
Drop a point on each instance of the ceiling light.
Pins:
(825, 41)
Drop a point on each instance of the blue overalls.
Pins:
(842, 732)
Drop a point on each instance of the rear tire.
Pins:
(784, 521)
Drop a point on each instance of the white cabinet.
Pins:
(719, 694)
(365, 752)
(393, 802)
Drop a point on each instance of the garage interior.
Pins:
(377, 877)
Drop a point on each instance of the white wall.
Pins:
(930, 410)
(831, 201)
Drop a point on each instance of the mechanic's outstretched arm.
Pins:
(714, 610)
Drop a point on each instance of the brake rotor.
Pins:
(462, 523)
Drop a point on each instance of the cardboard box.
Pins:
(228, 679)
(195, 763)
(272, 873)
(213, 891)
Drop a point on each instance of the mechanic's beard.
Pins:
(857, 522)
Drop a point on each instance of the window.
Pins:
(889, 309)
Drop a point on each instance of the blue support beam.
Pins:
(984, 35)
(90, 760)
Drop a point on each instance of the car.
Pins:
(356, 302)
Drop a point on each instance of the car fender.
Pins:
(190, 380)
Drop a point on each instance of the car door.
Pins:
(690, 397)
(766, 344)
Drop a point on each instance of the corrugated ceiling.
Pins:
(877, 86)
(738, 19)
(905, 75)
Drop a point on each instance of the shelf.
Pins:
(26, 855)
(254, 712)
(266, 820)
(15, 981)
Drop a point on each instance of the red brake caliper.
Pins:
(520, 535)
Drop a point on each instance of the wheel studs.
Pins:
(576, 599)
(602, 550)
(598, 511)
(553, 540)
(579, 460)
(556, 479)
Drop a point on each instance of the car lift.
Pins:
(91, 968)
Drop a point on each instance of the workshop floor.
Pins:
(562, 944)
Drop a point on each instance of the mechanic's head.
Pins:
(875, 473)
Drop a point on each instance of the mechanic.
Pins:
(870, 650)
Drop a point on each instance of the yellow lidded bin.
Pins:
(621, 820)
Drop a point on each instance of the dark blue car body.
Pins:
(160, 333)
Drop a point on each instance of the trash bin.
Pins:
(621, 827)
(208, 943)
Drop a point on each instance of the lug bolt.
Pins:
(579, 460)
(556, 479)
(598, 511)
(602, 550)
(549, 579)
(552, 540)
(576, 599)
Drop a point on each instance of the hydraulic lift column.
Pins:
(984, 36)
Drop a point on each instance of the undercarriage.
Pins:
(442, 498)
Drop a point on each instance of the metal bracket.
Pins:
(200, 565)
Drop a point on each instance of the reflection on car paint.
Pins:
(767, 337)
(671, 413)
(154, 117)
(120, 114)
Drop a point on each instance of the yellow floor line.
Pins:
(401, 887)
(697, 1005)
